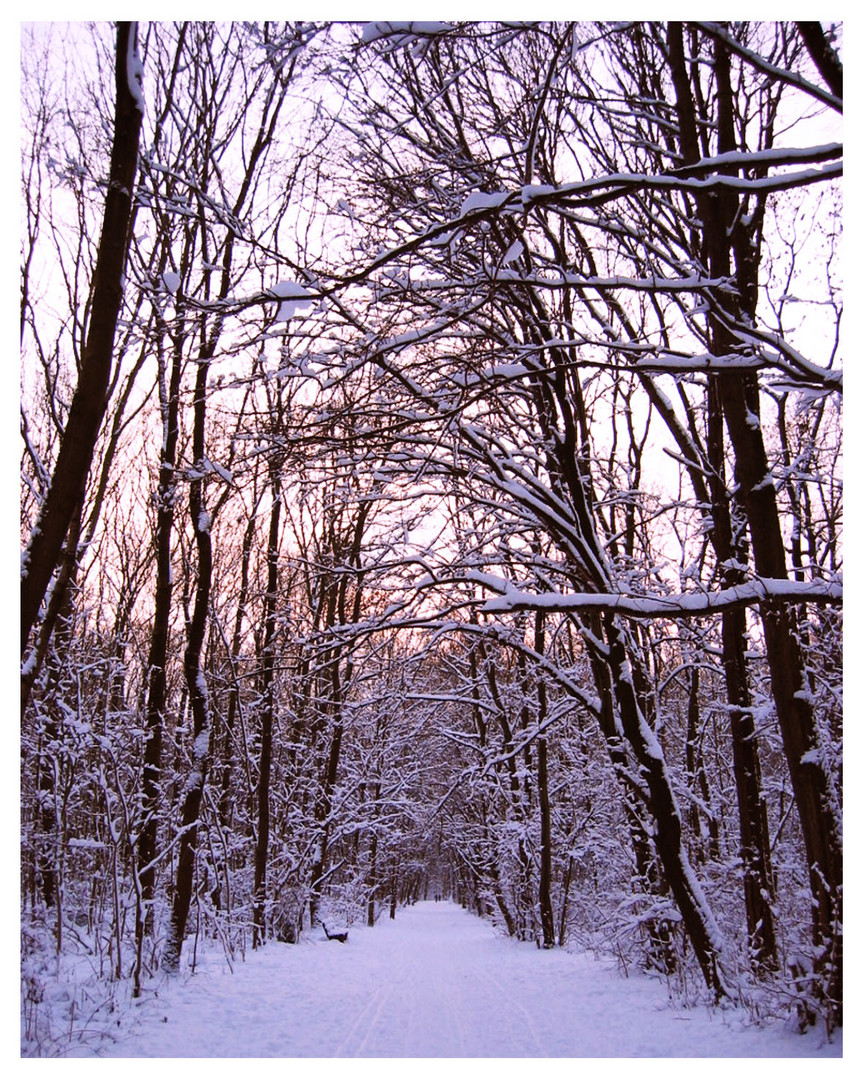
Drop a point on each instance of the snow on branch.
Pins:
(798, 375)
(680, 606)
(793, 78)
(293, 298)
(402, 32)
(614, 185)
(479, 206)
(135, 69)
(741, 159)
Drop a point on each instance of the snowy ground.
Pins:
(437, 982)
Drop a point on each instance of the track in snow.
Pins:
(436, 982)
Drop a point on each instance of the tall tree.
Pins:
(731, 246)
(90, 400)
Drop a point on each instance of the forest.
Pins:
(431, 486)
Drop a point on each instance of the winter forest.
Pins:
(431, 490)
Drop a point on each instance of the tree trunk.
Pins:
(724, 230)
(322, 815)
(565, 896)
(547, 918)
(197, 687)
(226, 797)
(696, 777)
(267, 691)
(648, 878)
(90, 399)
(157, 659)
(752, 813)
(371, 884)
(698, 920)
(824, 57)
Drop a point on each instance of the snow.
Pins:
(513, 252)
(571, 192)
(532, 191)
(403, 31)
(482, 200)
(437, 982)
(294, 298)
(135, 69)
(220, 470)
(506, 371)
(661, 361)
(681, 605)
(201, 746)
(170, 281)
(775, 156)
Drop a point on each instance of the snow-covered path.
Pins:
(436, 982)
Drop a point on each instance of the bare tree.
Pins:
(90, 400)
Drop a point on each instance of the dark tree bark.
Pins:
(824, 57)
(752, 813)
(739, 399)
(227, 753)
(696, 776)
(547, 917)
(729, 549)
(565, 897)
(335, 598)
(523, 898)
(668, 835)
(373, 859)
(90, 400)
(323, 807)
(372, 879)
(58, 605)
(267, 716)
(195, 682)
(653, 813)
(157, 659)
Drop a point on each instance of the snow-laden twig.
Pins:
(675, 606)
